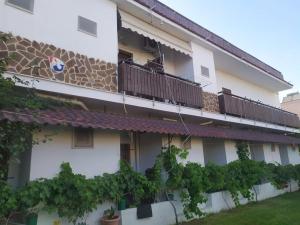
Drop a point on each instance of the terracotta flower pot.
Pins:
(106, 221)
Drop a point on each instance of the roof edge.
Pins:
(179, 19)
(99, 120)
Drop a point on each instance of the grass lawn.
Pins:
(282, 210)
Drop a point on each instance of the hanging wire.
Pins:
(173, 99)
(124, 104)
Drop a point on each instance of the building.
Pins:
(140, 73)
(291, 103)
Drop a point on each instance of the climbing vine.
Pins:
(241, 175)
(73, 196)
(194, 187)
(243, 151)
(216, 177)
(15, 137)
(8, 202)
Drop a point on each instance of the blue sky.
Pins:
(267, 29)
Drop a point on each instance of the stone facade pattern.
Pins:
(210, 102)
(31, 58)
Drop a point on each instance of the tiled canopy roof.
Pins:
(80, 118)
(167, 12)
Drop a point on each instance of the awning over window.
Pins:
(147, 30)
(80, 118)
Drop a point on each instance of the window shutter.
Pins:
(204, 71)
(87, 26)
(22, 4)
(82, 138)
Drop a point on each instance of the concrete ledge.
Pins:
(163, 213)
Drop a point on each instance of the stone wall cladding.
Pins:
(31, 58)
(210, 102)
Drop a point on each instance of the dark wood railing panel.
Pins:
(138, 80)
(237, 106)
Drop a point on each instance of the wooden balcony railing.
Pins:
(249, 109)
(140, 81)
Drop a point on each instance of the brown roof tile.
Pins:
(80, 118)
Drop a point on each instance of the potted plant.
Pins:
(31, 214)
(110, 217)
(31, 218)
(122, 204)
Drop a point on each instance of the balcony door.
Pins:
(125, 152)
(128, 150)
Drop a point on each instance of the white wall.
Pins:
(103, 157)
(246, 89)
(163, 214)
(55, 22)
(271, 156)
(293, 154)
(195, 152)
(204, 57)
(230, 151)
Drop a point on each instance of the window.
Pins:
(204, 71)
(87, 26)
(22, 4)
(83, 138)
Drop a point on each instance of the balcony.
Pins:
(147, 83)
(245, 108)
